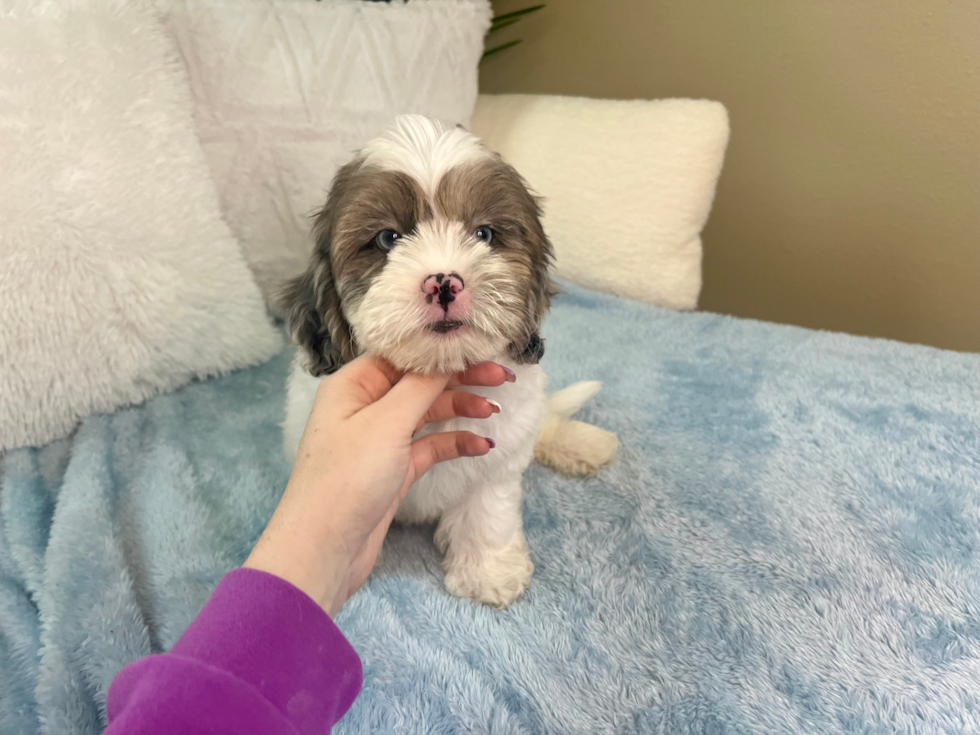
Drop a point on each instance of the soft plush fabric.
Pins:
(627, 185)
(286, 90)
(788, 543)
(118, 277)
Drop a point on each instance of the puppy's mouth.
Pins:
(445, 325)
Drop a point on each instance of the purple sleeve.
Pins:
(261, 657)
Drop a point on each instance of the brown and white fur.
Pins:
(430, 253)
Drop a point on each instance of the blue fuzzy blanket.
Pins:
(788, 543)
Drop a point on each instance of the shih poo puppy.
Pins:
(430, 252)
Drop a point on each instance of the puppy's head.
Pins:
(429, 252)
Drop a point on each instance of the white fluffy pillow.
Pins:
(628, 185)
(286, 90)
(118, 277)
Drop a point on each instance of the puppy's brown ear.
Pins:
(529, 353)
(530, 348)
(309, 327)
(311, 304)
(537, 255)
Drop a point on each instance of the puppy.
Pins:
(430, 253)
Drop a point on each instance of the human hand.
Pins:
(356, 461)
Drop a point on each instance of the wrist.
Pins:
(320, 571)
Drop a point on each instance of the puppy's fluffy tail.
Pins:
(573, 447)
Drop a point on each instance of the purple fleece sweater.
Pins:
(261, 657)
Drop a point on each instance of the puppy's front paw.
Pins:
(496, 578)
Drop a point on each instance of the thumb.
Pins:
(411, 397)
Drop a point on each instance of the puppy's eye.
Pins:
(483, 232)
(386, 239)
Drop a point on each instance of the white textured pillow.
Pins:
(118, 277)
(286, 90)
(628, 185)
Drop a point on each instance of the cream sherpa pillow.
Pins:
(118, 277)
(627, 184)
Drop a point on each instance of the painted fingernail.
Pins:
(511, 375)
(491, 442)
(496, 406)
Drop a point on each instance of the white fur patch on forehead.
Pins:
(423, 148)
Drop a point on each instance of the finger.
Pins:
(360, 383)
(456, 403)
(435, 448)
(484, 373)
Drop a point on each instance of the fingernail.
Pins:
(496, 406)
(511, 375)
(491, 442)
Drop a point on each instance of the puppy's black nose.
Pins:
(442, 287)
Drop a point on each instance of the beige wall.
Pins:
(850, 198)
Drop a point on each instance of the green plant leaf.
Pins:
(497, 26)
(516, 14)
(498, 49)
